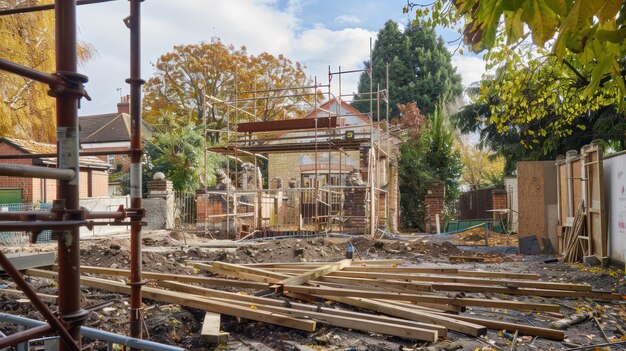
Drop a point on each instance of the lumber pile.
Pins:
(418, 303)
(575, 242)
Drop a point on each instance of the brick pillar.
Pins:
(499, 202)
(364, 161)
(434, 202)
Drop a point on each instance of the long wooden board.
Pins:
(524, 291)
(315, 273)
(452, 279)
(208, 281)
(433, 299)
(446, 271)
(547, 333)
(391, 284)
(355, 323)
(300, 306)
(188, 300)
(412, 314)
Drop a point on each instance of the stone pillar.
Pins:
(160, 203)
(434, 201)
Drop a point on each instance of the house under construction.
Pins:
(333, 170)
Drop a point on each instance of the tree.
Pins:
(203, 80)
(482, 168)
(26, 110)
(419, 70)
(429, 158)
(544, 125)
(178, 152)
(587, 38)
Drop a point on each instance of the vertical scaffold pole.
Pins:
(135, 81)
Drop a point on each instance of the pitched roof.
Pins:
(35, 147)
(109, 127)
(351, 110)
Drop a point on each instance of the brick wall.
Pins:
(45, 190)
(26, 184)
(434, 203)
(100, 183)
(355, 205)
(499, 202)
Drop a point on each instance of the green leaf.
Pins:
(514, 27)
(613, 36)
(609, 9)
(604, 63)
(488, 15)
(541, 19)
(558, 6)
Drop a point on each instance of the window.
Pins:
(110, 159)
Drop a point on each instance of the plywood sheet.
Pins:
(531, 199)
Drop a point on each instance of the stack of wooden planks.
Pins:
(575, 242)
(403, 301)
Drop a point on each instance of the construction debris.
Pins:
(301, 295)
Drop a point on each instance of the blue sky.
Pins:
(317, 33)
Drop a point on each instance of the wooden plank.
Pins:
(244, 269)
(447, 271)
(208, 281)
(452, 279)
(237, 274)
(431, 299)
(23, 261)
(363, 263)
(288, 124)
(366, 325)
(315, 273)
(400, 269)
(547, 333)
(211, 332)
(395, 284)
(522, 291)
(189, 301)
(211, 293)
(411, 314)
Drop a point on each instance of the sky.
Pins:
(316, 33)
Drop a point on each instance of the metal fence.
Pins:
(291, 211)
(22, 238)
(184, 210)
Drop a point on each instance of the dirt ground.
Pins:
(168, 252)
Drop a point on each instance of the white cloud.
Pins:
(347, 19)
(260, 25)
(471, 67)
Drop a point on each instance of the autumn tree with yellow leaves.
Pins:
(26, 110)
(214, 81)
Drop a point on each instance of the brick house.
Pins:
(110, 132)
(93, 174)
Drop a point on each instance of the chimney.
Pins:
(124, 105)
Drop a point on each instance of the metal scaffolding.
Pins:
(66, 216)
(316, 203)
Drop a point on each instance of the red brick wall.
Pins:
(44, 195)
(26, 184)
(32, 189)
(499, 201)
(434, 203)
(100, 184)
